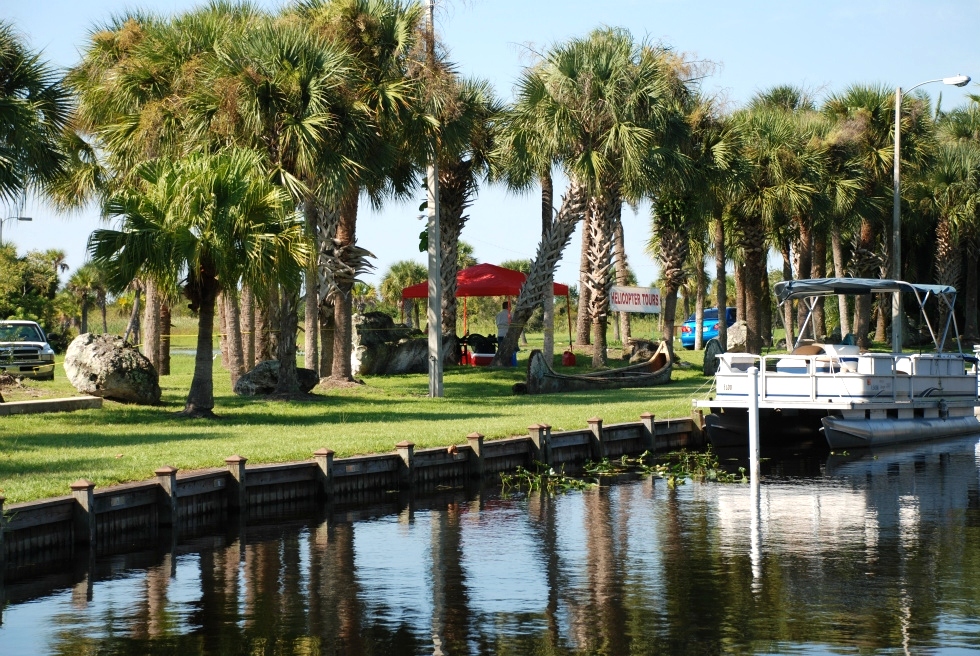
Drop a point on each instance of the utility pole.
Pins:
(434, 313)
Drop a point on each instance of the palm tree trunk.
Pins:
(788, 307)
(341, 367)
(549, 253)
(104, 309)
(263, 326)
(971, 332)
(165, 328)
(600, 267)
(133, 327)
(804, 262)
(233, 320)
(754, 255)
(286, 352)
(454, 190)
(84, 327)
(818, 269)
(326, 339)
(700, 283)
(863, 261)
(151, 325)
(947, 265)
(740, 291)
(583, 320)
(721, 280)
(548, 299)
(837, 252)
(248, 327)
(764, 302)
(223, 330)
(311, 323)
(622, 274)
(200, 398)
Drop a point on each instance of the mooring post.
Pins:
(476, 454)
(237, 493)
(324, 463)
(406, 450)
(84, 513)
(596, 446)
(648, 419)
(754, 423)
(541, 441)
(167, 479)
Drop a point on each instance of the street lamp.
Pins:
(11, 218)
(956, 81)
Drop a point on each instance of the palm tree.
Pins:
(778, 180)
(469, 120)
(81, 285)
(215, 218)
(34, 110)
(605, 106)
(387, 87)
(400, 275)
(868, 112)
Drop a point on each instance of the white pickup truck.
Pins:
(24, 350)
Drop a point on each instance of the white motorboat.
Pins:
(855, 398)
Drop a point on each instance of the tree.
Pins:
(868, 111)
(34, 110)
(216, 220)
(605, 107)
(400, 275)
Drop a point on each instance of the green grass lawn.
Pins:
(40, 455)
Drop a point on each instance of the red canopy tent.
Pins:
(485, 280)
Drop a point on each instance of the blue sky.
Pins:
(824, 45)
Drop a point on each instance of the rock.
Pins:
(262, 380)
(642, 350)
(737, 337)
(382, 347)
(711, 352)
(106, 366)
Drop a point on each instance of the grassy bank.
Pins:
(40, 455)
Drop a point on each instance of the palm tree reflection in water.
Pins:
(865, 553)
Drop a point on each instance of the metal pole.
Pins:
(434, 314)
(753, 424)
(897, 228)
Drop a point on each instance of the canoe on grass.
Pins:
(542, 379)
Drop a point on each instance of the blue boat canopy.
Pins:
(805, 288)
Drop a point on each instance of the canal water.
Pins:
(840, 554)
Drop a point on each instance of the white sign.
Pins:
(634, 299)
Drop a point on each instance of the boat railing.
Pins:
(860, 377)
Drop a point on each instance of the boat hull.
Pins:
(542, 379)
(731, 428)
(861, 433)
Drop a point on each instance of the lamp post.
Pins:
(11, 218)
(956, 81)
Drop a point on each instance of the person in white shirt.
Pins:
(503, 321)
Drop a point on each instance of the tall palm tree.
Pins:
(778, 180)
(469, 119)
(868, 111)
(216, 220)
(34, 110)
(81, 285)
(606, 107)
(387, 87)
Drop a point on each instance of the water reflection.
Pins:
(871, 552)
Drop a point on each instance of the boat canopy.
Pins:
(793, 289)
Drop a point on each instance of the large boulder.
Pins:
(382, 347)
(106, 366)
(263, 379)
(738, 335)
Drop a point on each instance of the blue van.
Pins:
(710, 326)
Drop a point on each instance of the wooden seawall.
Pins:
(49, 530)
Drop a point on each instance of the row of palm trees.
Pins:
(234, 148)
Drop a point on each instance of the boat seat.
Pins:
(808, 349)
